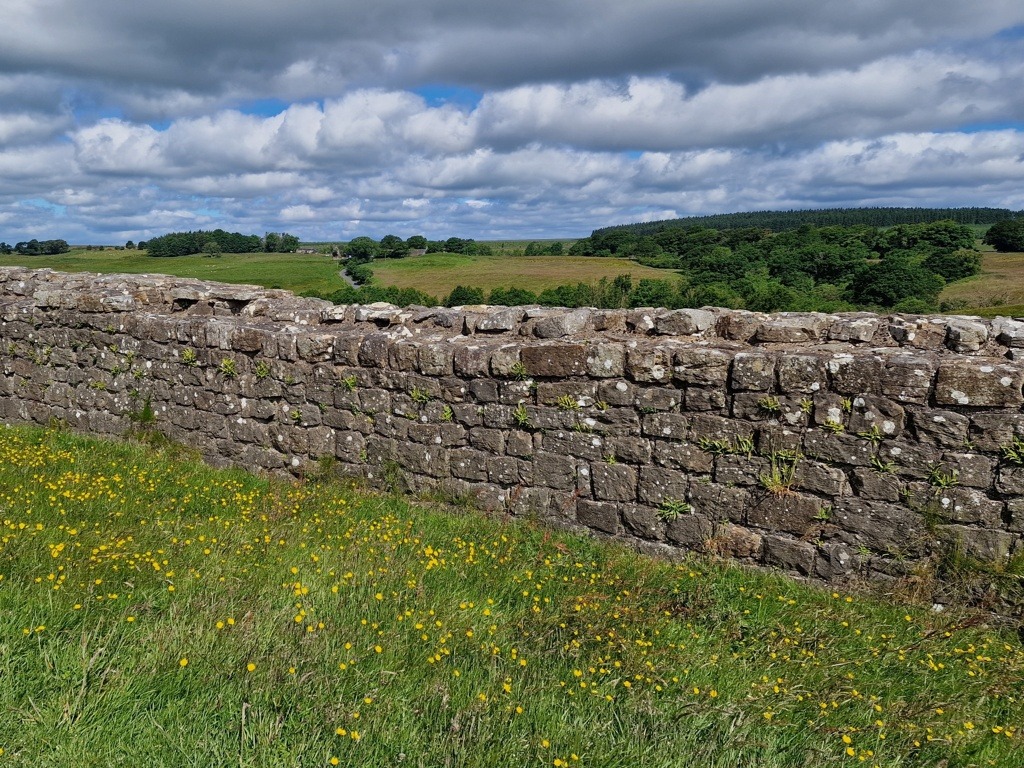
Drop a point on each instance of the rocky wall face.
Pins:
(823, 445)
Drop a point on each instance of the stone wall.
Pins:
(826, 445)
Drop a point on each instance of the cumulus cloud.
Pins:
(328, 117)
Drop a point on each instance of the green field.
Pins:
(156, 612)
(294, 272)
(998, 290)
(436, 274)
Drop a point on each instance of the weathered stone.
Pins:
(966, 336)
(735, 541)
(555, 360)
(684, 322)
(613, 482)
(907, 379)
(789, 554)
(1010, 480)
(801, 374)
(740, 470)
(966, 505)
(979, 382)
(643, 521)
(820, 478)
(855, 328)
(753, 371)
(944, 428)
(987, 546)
(606, 360)
(792, 329)
(685, 456)
(701, 366)
(599, 515)
(874, 484)
(704, 399)
(658, 485)
(881, 527)
(790, 512)
(500, 320)
(667, 426)
(689, 530)
(562, 324)
(1009, 333)
(648, 364)
(876, 417)
(855, 374)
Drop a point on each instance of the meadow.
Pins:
(998, 290)
(437, 274)
(293, 271)
(154, 611)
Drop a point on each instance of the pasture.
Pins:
(437, 274)
(998, 290)
(292, 271)
(154, 611)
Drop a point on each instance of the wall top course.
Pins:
(24, 290)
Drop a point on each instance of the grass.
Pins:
(292, 271)
(436, 274)
(156, 612)
(998, 290)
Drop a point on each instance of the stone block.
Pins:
(794, 328)
(658, 485)
(606, 360)
(598, 515)
(643, 522)
(753, 372)
(562, 323)
(555, 360)
(788, 554)
(680, 455)
(666, 426)
(684, 322)
(701, 366)
(979, 382)
(648, 364)
(908, 378)
(936, 427)
(881, 527)
(613, 482)
(966, 336)
(791, 512)
(691, 531)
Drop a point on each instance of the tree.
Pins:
(129, 246)
(364, 248)
(954, 266)
(5, 248)
(462, 295)
(416, 242)
(211, 248)
(392, 247)
(289, 243)
(271, 242)
(889, 282)
(1006, 236)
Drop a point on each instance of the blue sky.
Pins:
(540, 118)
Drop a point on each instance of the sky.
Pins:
(494, 119)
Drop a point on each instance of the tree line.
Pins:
(36, 247)
(780, 221)
(365, 248)
(218, 241)
(827, 269)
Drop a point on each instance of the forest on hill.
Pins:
(780, 221)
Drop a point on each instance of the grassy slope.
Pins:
(437, 274)
(156, 612)
(295, 272)
(998, 290)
